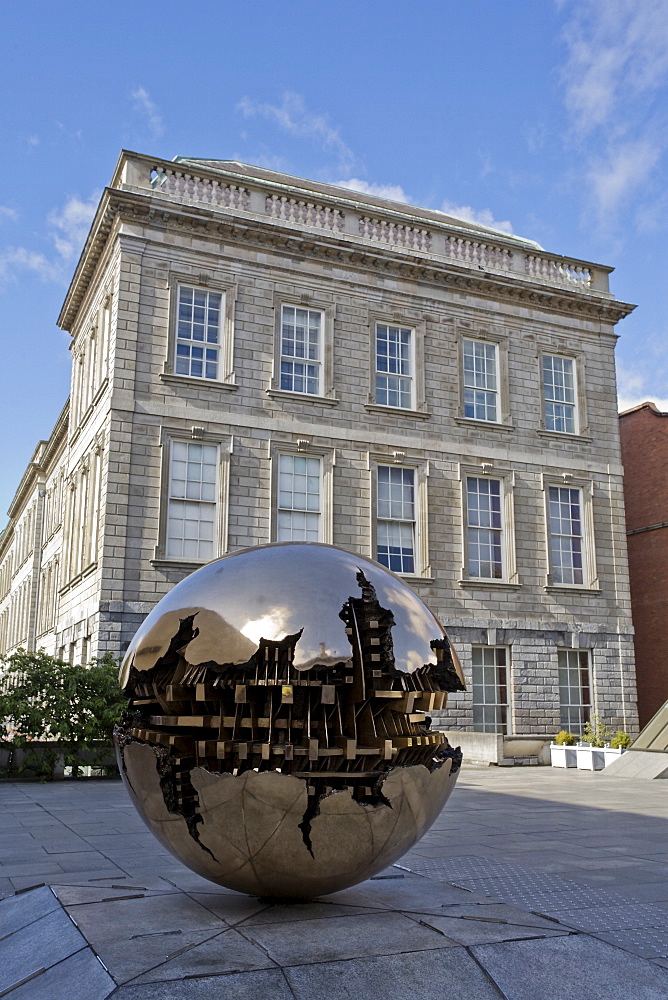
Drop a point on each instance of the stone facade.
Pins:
(263, 241)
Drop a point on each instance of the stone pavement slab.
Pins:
(569, 968)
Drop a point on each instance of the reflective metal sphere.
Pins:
(277, 739)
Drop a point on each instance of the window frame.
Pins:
(422, 570)
(506, 477)
(326, 394)
(497, 704)
(304, 449)
(226, 378)
(552, 350)
(498, 339)
(590, 581)
(417, 326)
(224, 443)
(565, 709)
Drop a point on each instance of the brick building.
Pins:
(257, 357)
(644, 437)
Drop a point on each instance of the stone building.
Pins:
(257, 357)
(644, 437)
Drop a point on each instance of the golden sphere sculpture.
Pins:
(277, 739)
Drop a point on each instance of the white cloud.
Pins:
(624, 171)
(145, 106)
(393, 192)
(481, 216)
(8, 213)
(615, 69)
(634, 388)
(13, 259)
(618, 51)
(67, 229)
(293, 117)
(71, 223)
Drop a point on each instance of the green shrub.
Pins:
(45, 699)
(565, 739)
(595, 732)
(620, 740)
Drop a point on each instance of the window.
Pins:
(299, 512)
(481, 380)
(484, 528)
(559, 394)
(394, 366)
(198, 332)
(192, 501)
(566, 535)
(301, 350)
(395, 526)
(490, 689)
(574, 688)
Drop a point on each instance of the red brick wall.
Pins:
(644, 438)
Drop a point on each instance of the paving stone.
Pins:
(65, 878)
(263, 985)
(19, 911)
(568, 968)
(37, 945)
(225, 953)
(71, 895)
(468, 931)
(443, 975)
(79, 977)
(322, 940)
(276, 913)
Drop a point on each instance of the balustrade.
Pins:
(204, 190)
(558, 271)
(482, 254)
(305, 212)
(394, 232)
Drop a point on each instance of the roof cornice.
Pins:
(132, 203)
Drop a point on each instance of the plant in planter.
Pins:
(57, 714)
(562, 753)
(595, 732)
(620, 741)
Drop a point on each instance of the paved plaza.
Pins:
(534, 884)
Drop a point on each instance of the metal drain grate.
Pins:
(620, 920)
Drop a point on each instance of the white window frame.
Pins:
(224, 446)
(327, 459)
(422, 568)
(589, 573)
(499, 707)
(326, 395)
(482, 387)
(399, 334)
(506, 478)
(225, 376)
(547, 400)
(416, 328)
(569, 660)
(488, 337)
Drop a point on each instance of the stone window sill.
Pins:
(302, 397)
(189, 567)
(487, 424)
(566, 437)
(398, 410)
(490, 584)
(192, 380)
(574, 588)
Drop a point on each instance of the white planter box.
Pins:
(563, 756)
(609, 754)
(590, 758)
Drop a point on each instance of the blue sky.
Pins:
(547, 118)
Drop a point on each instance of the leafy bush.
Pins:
(73, 707)
(620, 740)
(565, 739)
(595, 732)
